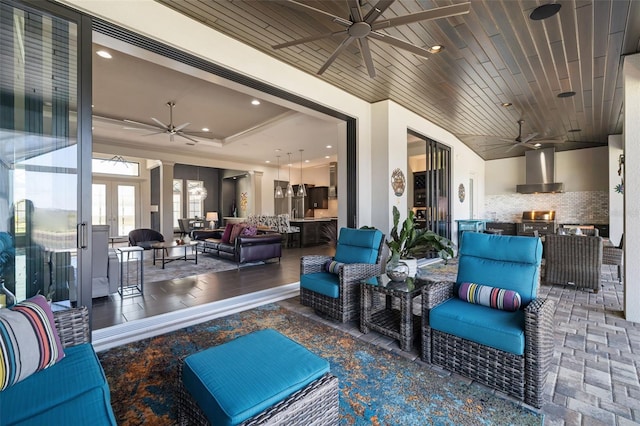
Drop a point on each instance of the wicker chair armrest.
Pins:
(435, 293)
(611, 255)
(538, 331)
(356, 272)
(73, 326)
(313, 263)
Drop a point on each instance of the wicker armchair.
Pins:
(360, 253)
(573, 259)
(469, 339)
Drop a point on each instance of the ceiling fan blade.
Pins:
(160, 122)
(377, 10)
(346, 42)
(334, 18)
(187, 137)
(513, 147)
(365, 51)
(155, 133)
(529, 137)
(425, 15)
(145, 125)
(180, 127)
(400, 44)
(308, 39)
(354, 9)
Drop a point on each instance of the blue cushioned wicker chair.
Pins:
(359, 255)
(509, 351)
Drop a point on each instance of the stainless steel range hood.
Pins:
(540, 172)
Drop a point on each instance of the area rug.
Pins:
(377, 387)
(181, 268)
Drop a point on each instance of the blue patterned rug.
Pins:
(377, 387)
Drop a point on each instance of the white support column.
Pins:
(257, 192)
(166, 200)
(631, 137)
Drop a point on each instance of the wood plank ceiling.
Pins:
(494, 54)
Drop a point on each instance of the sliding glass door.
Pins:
(42, 234)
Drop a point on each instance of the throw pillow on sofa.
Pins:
(227, 233)
(249, 231)
(29, 340)
(237, 230)
(493, 297)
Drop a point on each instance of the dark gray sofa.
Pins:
(266, 245)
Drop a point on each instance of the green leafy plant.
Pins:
(409, 241)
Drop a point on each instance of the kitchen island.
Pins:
(314, 231)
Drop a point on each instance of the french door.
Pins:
(115, 204)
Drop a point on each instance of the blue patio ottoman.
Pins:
(262, 378)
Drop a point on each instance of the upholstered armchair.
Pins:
(573, 259)
(487, 333)
(331, 285)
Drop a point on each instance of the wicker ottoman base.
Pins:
(314, 405)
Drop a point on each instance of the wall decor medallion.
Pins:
(461, 193)
(398, 182)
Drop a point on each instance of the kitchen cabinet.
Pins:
(312, 231)
(319, 196)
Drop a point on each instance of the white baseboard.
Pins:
(120, 334)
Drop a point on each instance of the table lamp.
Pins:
(212, 217)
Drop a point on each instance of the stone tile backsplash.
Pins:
(571, 207)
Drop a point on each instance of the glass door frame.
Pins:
(113, 206)
(84, 136)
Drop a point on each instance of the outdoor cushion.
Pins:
(321, 282)
(241, 378)
(493, 297)
(29, 340)
(333, 267)
(502, 330)
(358, 245)
(76, 385)
(508, 262)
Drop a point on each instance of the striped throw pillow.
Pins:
(497, 298)
(29, 340)
(333, 267)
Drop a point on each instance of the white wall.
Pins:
(616, 200)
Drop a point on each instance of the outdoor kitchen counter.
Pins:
(314, 231)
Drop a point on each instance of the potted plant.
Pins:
(408, 241)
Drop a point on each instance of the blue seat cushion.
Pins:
(507, 262)
(239, 379)
(358, 245)
(70, 392)
(321, 282)
(502, 330)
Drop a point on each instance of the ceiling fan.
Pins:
(164, 128)
(361, 28)
(528, 141)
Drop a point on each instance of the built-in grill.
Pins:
(542, 221)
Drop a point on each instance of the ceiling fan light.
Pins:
(436, 48)
(506, 104)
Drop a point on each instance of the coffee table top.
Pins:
(384, 283)
(171, 244)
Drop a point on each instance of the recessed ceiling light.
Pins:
(104, 54)
(205, 129)
(329, 146)
(545, 11)
(566, 94)
(327, 156)
(255, 102)
(278, 150)
(574, 130)
(436, 48)
(506, 104)
(306, 161)
(267, 161)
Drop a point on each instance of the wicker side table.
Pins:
(394, 318)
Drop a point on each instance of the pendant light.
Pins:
(289, 191)
(302, 192)
(279, 193)
(199, 192)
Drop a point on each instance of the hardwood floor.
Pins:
(162, 297)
